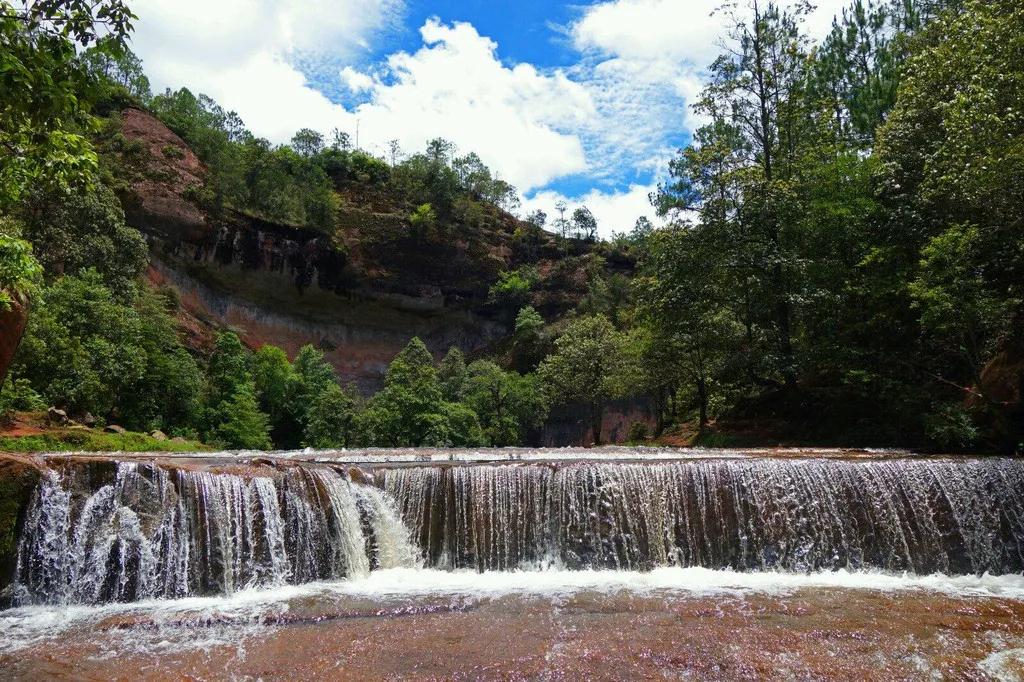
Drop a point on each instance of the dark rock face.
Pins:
(12, 328)
(18, 478)
(570, 424)
(1001, 399)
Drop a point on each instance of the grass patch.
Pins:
(94, 441)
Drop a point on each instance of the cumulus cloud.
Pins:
(518, 119)
(241, 53)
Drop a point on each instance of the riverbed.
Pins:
(669, 623)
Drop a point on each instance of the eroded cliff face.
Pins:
(359, 295)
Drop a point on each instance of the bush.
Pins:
(637, 432)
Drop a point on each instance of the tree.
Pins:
(681, 293)
(340, 140)
(757, 99)
(561, 225)
(228, 369)
(308, 142)
(79, 230)
(20, 272)
(451, 373)
(507, 403)
(277, 384)
(239, 423)
(41, 116)
(585, 367)
(527, 339)
(410, 410)
(537, 219)
(120, 68)
(584, 223)
(82, 348)
(329, 421)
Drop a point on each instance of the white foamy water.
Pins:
(203, 622)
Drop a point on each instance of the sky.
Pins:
(577, 101)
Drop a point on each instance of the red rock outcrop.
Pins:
(12, 328)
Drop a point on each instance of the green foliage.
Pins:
(88, 351)
(451, 373)
(506, 403)
(228, 370)
(423, 219)
(589, 366)
(528, 340)
(277, 384)
(18, 396)
(76, 440)
(512, 290)
(20, 272)
(411, 410)
(117, 74)
(80, 230)
(637, 432)
(239, 423)
(41, 115)
(329, 421)
(82, 348)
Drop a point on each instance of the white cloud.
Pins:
(240, 52)
(456, 87)
(674, 30)
(357, 82)
(615, 211)
(516, 118)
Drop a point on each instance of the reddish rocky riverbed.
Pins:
(557, 625)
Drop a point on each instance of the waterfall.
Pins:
(128, 531)
(152, 533)
(912, 515)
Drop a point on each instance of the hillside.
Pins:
(359, 292)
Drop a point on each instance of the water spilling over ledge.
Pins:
(98, 530)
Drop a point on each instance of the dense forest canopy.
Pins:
(843, 250)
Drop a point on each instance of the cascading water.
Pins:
(143, 531)
(920, 516)
(153, 533)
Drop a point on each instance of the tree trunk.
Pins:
(596, 417)
(702, 397)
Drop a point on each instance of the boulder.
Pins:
(178, 439)
(56, 416)
(114, 428)
(88, 419)
(158, 435)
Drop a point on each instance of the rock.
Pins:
(55, 416)
(88, 419)
(12, 328)
(178, 439)
(114, 428)
(158, 435)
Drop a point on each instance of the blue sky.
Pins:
(583, 102)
